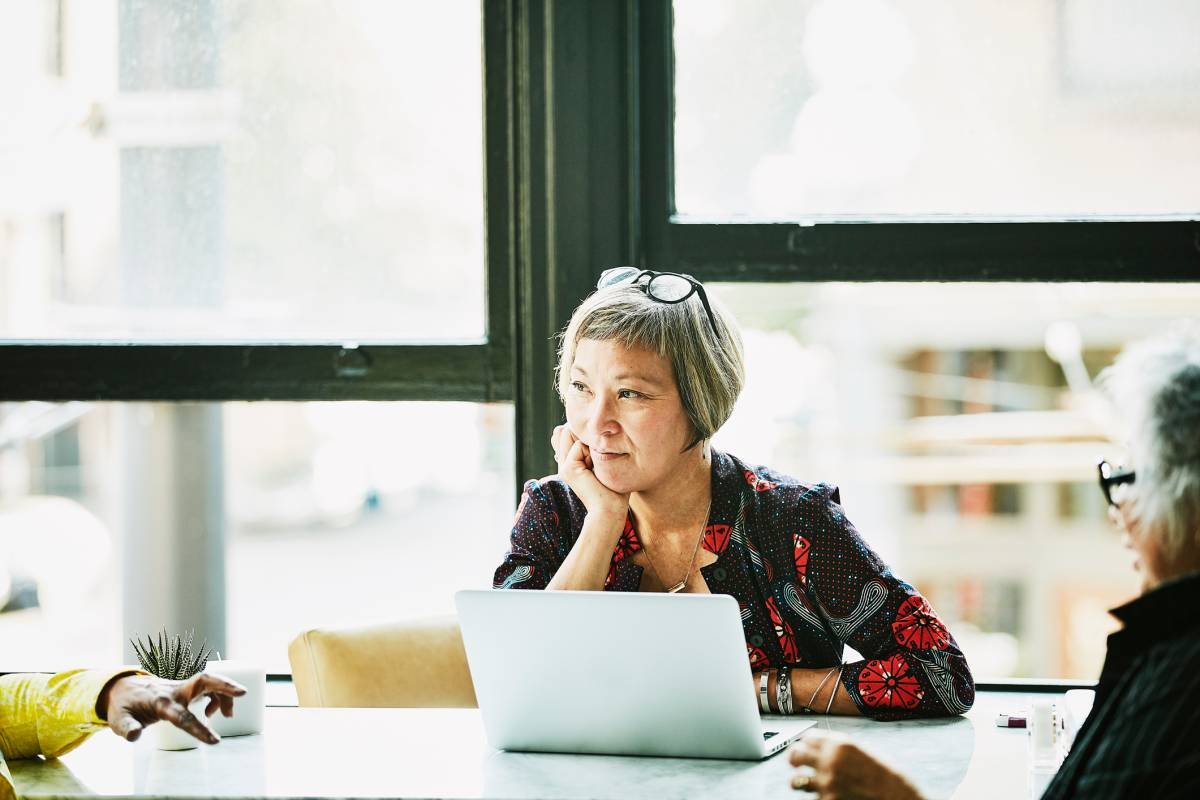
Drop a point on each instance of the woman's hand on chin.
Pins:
(575, 467)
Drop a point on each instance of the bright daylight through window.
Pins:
(241, 170)
(245, 171)
(857, 108)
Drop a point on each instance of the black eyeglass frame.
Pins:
(648, 287)
(1111, 476)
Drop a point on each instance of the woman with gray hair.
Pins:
(650, 368)
(1141, 738)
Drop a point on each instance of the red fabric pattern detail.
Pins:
(757, 657)
(612, 575)
(918, 628)
(628, 544)
(888, 683)
(716, 538)
(802, 548)
(757, 483)
(783, 631)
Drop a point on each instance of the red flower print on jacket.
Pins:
(716, 538)
(783, 631)
(758, 658)
(802, 548)
(918, 628)
(888, 683)
(759, 484)
(628, 544)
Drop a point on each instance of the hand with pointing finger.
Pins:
(131, 702)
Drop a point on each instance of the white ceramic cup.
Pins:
(247, 709)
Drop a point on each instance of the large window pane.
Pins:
(335, 513)
(858, 108)
(965, 453)
(244, 169)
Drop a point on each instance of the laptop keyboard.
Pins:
(768, 734)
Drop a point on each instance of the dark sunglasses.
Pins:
(1111, 476)
(665, 287)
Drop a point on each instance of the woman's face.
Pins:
(623, 404)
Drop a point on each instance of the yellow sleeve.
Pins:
(50, 714)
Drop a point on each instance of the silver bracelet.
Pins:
(836, 684)
(807, 707)
(783, 690)
(763, 705)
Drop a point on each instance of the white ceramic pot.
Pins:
(167, 737)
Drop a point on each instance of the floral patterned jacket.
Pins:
(806, 582)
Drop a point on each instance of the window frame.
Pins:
(472, 370)
(890, 248)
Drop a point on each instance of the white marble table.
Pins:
(442, 753)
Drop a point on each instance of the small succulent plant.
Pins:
(172, 657)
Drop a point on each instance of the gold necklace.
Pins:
(679, 586)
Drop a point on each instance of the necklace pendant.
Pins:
(677, 587)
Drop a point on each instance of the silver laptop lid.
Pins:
(611, 672)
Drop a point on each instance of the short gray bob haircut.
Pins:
(709, 371)
(1155, 384)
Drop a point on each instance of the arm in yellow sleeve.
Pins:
(50, 714)
(47, 714)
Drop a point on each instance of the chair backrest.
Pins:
(413, 664)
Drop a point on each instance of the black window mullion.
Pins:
(935, 251)
(217, 372)
(656, 100)
(575, 123)
(499, 195)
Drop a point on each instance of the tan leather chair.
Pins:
(413, 664)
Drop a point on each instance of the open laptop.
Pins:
(620, 673)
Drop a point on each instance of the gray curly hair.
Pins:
(1155, 385)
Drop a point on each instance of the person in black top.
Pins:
(1142, 738)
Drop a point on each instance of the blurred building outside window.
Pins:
(341, 513)
(963, 426)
